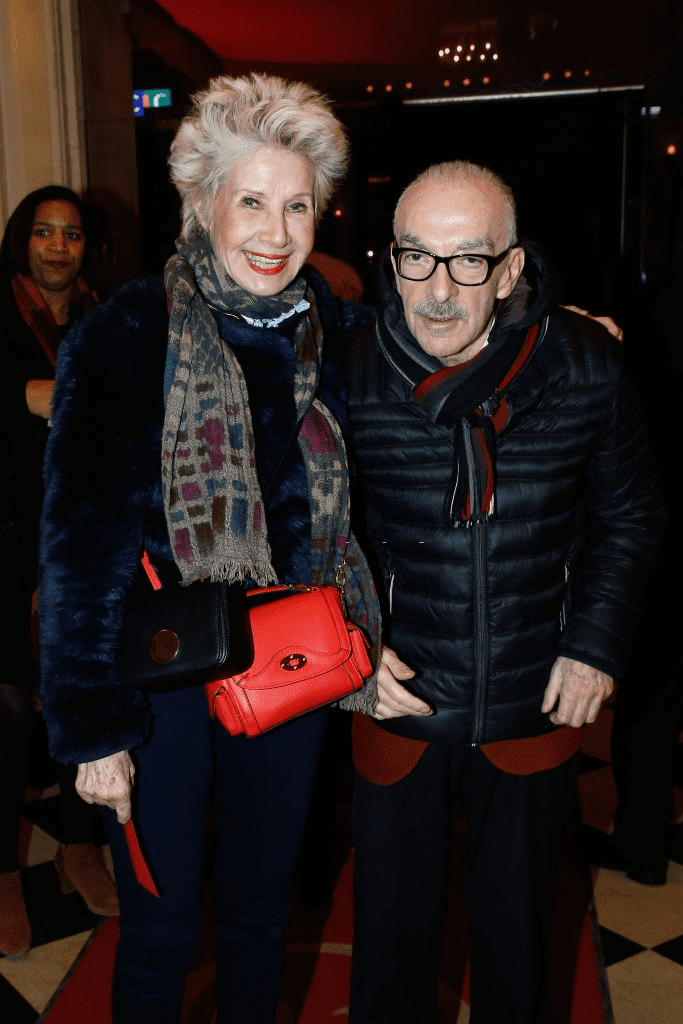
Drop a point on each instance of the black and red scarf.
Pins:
(469, 399)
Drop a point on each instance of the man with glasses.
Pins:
(513, 512)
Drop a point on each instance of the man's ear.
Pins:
(393, 261)
(513, 268)
(397, 279)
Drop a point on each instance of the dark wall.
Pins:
(565, 160)
(594, 185)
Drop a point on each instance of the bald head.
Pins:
(458, 173)
(456, 210)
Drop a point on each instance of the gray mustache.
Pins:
(450, 310)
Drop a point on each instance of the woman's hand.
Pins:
(39, 397)
(606, 321)
(394, 700)
(108, 782)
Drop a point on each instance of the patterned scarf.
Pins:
(38, 315)
(213, 503)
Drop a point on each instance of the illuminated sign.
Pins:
(145, 98)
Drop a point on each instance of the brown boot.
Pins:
(80, 867)
(15, 931)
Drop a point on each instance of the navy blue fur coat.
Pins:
(103, 506)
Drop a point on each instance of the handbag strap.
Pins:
(283, 458)
(151, 571)
(140, 866)
(142, 872)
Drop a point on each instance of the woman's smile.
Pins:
(263, 263)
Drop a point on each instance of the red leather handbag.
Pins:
(305, 655)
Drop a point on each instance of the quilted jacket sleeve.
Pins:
(623, 530)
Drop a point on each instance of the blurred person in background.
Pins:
(42, 294)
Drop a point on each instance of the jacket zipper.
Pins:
(481, 639)
(481, 632)
(480, 593)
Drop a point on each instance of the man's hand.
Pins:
(581, 691)
(108, 782)
(606, 321)
(394, 700)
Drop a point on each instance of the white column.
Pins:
(41, 107)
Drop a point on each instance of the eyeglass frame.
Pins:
(492, 261)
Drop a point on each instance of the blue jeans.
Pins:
(262, 793)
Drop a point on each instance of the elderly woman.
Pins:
(242, 343)
(42, 293)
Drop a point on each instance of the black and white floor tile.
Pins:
(61, 925)
(641, 927)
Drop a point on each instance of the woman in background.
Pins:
(176, 407)
(42, 293)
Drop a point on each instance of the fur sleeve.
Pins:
(101, 473)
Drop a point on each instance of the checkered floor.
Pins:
(641, 927)
(61, 925)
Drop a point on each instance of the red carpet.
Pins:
(316, 981)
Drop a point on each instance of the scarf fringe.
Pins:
(233, 572)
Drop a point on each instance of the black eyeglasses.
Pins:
(465, 268)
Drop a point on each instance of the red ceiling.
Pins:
(314, 31)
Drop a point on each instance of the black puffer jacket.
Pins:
(482, 613)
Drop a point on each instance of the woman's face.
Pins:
(264, 220)
(56, 246)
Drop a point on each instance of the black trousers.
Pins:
(647, 720)
(402, 835)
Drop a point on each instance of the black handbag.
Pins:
(178, 636)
